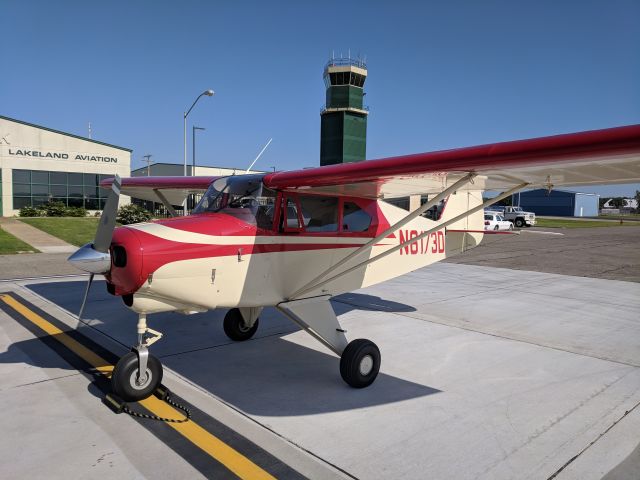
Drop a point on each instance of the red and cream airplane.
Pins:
(294, 239)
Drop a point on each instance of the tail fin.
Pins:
(467, 232)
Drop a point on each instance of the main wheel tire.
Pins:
(125, 381)
(360, 363)
(519, 222)
(235, 328)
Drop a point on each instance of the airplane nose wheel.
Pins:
(360, 363)
(131, 385)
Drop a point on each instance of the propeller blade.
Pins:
(107, 223)
(86, 294)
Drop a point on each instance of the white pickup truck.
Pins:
(519, 217)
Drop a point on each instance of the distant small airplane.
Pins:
(295, 239)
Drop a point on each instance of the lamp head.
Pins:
(209, 93)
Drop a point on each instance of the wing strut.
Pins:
(165, 202)
(488, 203)
(434, 201)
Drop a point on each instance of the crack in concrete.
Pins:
(41, 381)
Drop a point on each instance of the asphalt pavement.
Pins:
(611, 253)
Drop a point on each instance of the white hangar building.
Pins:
(39, 164)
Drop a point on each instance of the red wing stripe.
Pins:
(519, 153)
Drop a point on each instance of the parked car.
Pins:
(519, 217)
(515, 215)
(495, 221)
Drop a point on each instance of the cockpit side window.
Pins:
(319, 214)
(354, 218)
(266, 209)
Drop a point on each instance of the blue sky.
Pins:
(441, 74)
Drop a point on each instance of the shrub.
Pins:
(31, 212)
(128, 214)
(55, 209)
(76, 212)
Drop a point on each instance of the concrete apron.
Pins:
(486, 373)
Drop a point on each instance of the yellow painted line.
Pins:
(210, 444)
(76, 347)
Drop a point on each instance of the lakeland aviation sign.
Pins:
(65, 156)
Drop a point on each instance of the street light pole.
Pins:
(193, 149)
(147, 158)
(208, 93)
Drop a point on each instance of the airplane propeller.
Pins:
(94, 257)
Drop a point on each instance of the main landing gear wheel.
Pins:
(130, 386)
(360, 363)
(235, 327)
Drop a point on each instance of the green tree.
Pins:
(128, 214)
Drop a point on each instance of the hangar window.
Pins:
(58, 191)
(58, 178)
(19, 202)
(354, 219)
(40, 177)
(21, 176)
(319, 214)
(40, 190)
(22, 190)
(75, 179)
(75, 189)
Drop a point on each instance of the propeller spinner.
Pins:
(94, 257)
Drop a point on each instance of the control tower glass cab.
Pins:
(343, 134)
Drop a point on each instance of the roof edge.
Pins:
(65, 133)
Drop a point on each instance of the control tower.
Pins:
(343, 133)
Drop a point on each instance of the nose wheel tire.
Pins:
(128, 384)
(360, 363)
(235, 327)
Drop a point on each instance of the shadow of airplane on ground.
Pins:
(267, 375)
(362, 301)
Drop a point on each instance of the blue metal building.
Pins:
(558, 203)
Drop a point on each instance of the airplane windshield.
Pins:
(241, 196)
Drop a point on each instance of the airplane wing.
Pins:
(174, 189)
(586, 158)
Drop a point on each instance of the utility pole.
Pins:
(193, 150)
(147, 158)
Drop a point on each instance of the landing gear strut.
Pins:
(359, 359)
(138, 373)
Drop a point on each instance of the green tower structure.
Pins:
(343, 130)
